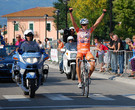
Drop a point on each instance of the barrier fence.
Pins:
(118, 60)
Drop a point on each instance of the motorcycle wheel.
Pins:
(73, 72)
(32, 88)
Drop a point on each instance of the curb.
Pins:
(96, 74)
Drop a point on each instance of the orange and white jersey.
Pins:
(83, 40)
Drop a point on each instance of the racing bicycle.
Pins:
(86, 81)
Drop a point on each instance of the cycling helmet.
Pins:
(29, 33)
(71, 28)
(70, 38)
(84, 21)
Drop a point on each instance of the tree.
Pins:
(124, 11)
(62, 17)
(91, 9)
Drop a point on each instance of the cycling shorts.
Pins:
(88, 55)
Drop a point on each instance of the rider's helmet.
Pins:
(71, 28)
(84, 21)
(70, 38)
(29, 33)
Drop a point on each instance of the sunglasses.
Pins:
(83, 24)
(17, 37)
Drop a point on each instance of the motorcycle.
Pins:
(29, 71)
(69, 63)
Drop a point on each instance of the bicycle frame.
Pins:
(85, 75)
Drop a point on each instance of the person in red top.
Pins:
(83, 42)
(18, 37)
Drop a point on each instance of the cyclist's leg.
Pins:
(92, 64)
(78, 68)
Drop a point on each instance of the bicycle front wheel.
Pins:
(87, 87)
(83, 84)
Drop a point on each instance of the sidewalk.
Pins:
(97, 74)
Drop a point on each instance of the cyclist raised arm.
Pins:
(99, 19)
(83, 42)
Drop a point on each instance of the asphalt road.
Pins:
(58, 93)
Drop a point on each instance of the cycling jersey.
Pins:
(83, 40)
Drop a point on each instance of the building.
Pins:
(34, 19)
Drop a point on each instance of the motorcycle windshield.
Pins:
(31, 54)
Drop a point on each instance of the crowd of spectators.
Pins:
(115, 56)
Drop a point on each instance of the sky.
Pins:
(10, 6)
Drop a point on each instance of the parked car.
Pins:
(6, 61)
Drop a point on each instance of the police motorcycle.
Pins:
(69, 59)
(29, 71)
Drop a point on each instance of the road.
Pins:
(60, 93)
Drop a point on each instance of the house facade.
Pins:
(34, 19)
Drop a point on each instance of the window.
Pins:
(16, 27)
(48, 26)
(31, 25)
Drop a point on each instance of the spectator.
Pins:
(127, 46)
(100, 50)
(106, 57)
(40, 44)
(2, 42)
(118, 47)
(60, 46)
(95, 40)
(47, 46)
(132, 60)
(18, 37)
(113, 55)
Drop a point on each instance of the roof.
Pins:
(33, 12)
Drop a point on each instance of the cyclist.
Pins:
(83, 42)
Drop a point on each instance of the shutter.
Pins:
(48, 26)
(31, 26)
(16, 27)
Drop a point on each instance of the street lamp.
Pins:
(66, 2)
(45, 25)
(14, 23)
(4, 31)
(110, 16)
(57, 13)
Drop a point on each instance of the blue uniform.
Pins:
(30, 46)
(71, 46)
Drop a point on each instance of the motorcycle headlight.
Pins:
(73, 55)
(31, 60)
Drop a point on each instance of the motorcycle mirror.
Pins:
(20, 51)
(42, 51)
(1, 46)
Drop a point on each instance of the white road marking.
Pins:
(16, 98)
(131, 96)
(99, 97)
(67, 106)
(57, 97)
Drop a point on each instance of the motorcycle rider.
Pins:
(69, 32)
(29, 44)
(71, 45)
